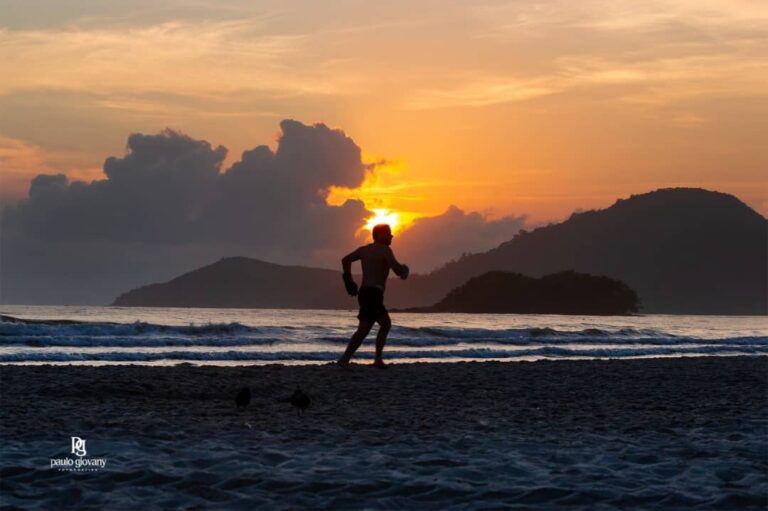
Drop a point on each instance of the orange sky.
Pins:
(536, 108)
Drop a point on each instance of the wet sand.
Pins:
(684, 433)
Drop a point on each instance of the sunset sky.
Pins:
(477, 117)
(523, 107)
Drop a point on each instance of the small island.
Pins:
(566, 292)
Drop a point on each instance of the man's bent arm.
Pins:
(398, 268)
(346, 261)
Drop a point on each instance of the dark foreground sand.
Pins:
(619, 434)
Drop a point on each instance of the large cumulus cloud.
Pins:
(169, 188)
(167, 206)
(149, 195)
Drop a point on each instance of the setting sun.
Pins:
(383, 216)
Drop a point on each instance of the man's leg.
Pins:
(357, 339)
(381, 338)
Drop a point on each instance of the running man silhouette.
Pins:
(376, 259)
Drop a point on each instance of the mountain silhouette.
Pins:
(566, 292)
(683, 250)
(241, 282)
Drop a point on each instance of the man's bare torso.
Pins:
(376, 260)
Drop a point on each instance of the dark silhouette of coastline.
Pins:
(683, 250)
(560, 293)
(242, 282)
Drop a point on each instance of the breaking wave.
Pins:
(64, 341)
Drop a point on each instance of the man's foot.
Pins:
(380, 364)
(342, 363)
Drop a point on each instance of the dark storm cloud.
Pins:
(432, 242)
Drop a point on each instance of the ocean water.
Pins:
(159, 336)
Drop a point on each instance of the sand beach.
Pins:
(675, 433)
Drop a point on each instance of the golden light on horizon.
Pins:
(383, 198)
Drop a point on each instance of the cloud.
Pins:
(652, 80)
(279, 197)
(147, 195)
(169, 188)
(662, 48)
(480, 93)
(167, 206)
(18, 156)
(168, 202)
(433, 241)
(235, 55)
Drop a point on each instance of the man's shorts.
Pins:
(371, 300)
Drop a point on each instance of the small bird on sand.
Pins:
(243, 398)
(300, 400)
